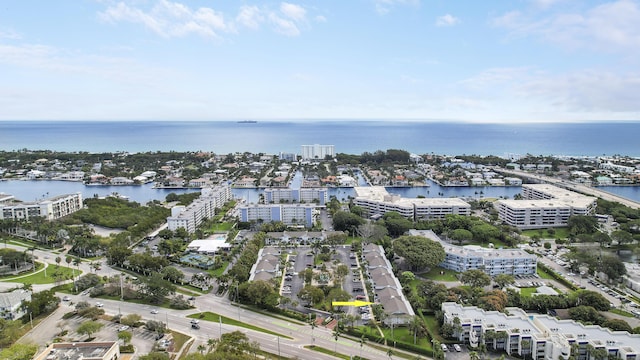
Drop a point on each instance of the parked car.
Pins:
(457, 347)
(123, 328)
(195, 321)
(66, 298)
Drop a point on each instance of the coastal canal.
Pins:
(35, 190)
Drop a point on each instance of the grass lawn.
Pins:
(434, 329)
(179, 339)
(327, 351)
(527, 291)
(220, 270)
(402, 334)
(622, 312)
(224, 226)
(351, 239)
(440, 274)
(213, 317)
(556, 233)
(543, 274)
(53, 272)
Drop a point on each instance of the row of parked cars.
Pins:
(455, 347)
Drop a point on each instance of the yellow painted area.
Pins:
(351, 303)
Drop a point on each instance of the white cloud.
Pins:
(496, 76)
(293, 11)
(545, 4)
(588, 90)
(10, 34)
(284, 26)
(174, 19)
(320, 19)
(447, 20)
(608, 27)
(250, 16)
(384, 6)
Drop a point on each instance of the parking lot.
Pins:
(303, 258)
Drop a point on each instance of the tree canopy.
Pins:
(419, 252)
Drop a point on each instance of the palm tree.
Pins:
(313, 326)
(473, 355)
(526, 348)
(58, 260)
(362, 341)
(212, 343)
(336, 335)
(416, 325)
(201, 348)
(389, 353)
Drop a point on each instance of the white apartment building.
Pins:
(50, 209)
(310, 152)
(288, 214)
(544, 206)
(491, 261)
(306, 195)
(204, 207)
(541, 337)
(376, 201)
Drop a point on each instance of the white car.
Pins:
(123, 328)
(99, 304)
(195, 321)
(457, 347)
(154, 311)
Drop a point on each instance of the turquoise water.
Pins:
(351, 137)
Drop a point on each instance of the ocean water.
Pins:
(351, 137)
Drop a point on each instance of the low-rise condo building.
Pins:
(491, 261)
(288, 214)
(319, 195)
(387, 290)
(541, 337)
(204, 207)
(49, 209)
(544, 206)
(376, 201)
(107, 350)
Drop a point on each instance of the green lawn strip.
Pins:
(179, 339)
(402, 334)
(527, 291)
(327, 351)
(39, 276)
(544, 274)
(557, 233)
(268, 355)
(621, 312)
(440, 274)
(213, 317)
(396, 352)
(217, 272)
(279, 317)
(434, 328)
(225, 226)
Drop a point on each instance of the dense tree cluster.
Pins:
(117, 213)
(419, 252)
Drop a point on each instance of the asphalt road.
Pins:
(300, 335)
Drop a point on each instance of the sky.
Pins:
(423, 60)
